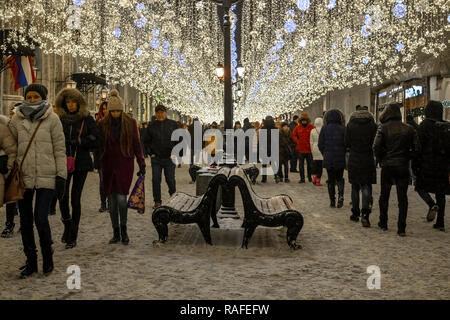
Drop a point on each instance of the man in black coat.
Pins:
(395, 145)
(294, 158)
(432, 168)
(359, 136)
(157, 141)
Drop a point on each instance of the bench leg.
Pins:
(248, 232)
(294, 224)
(160, 220)
(205, 229)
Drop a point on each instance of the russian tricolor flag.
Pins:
(22, 70)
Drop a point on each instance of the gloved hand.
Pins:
(4, 164)
(60, 186)
(141, 171)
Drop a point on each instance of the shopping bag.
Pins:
(136, 200)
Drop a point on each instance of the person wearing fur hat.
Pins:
(433, 165)
(81, 136)
(301, 137)
(44, 172)
(121, 145)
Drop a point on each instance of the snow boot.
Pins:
(432, 213)
(124, 235)
(116, 236)
(355, 215)
(9, 230)
(30, 266)
(365, 218)
(47, 260)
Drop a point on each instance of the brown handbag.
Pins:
(14, 185)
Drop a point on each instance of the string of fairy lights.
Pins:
(293, 51)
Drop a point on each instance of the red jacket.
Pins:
(301, 136)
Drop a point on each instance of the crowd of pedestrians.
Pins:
(56, 146)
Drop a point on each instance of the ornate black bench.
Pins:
(184, 209)
(270, 212)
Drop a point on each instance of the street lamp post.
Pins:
(227, 209)
(228, 99)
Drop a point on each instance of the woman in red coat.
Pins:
(121, 144)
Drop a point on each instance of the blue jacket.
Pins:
(331, 140)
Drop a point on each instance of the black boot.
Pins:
(116, 236)
(439, 223)
(9, 230)
(71, 238)
(102, 207)
(332, 194)
(340, 185)
(365, 218)
(66, 233)
(47, 260)
(30, 266)
(355, 215)
(124, 235)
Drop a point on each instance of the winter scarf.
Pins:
(34, 111)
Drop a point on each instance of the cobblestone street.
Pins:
(331, 265)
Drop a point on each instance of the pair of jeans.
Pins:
(335, 177)
(317, 168)
(118, 207)
(302, 157)
(285, 165)
(11, 210)
(79, 177)
(440, 202)
(40, 217)
(400, 177)
(366, 191)
(158, 165)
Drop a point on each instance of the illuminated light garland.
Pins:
(400, 10)
(303, 5)
(296, 67)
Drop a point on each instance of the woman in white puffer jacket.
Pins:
(316, 154)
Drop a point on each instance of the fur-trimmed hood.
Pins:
(391, 112)
(361, 115)
(75, 95)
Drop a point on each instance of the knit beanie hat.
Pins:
(39, 88)
(115, 103)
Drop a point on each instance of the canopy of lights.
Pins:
(293, 51)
